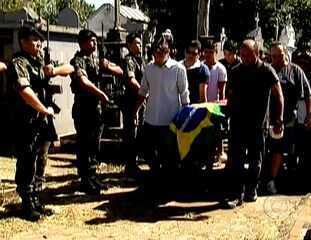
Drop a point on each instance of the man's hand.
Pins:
(49, 70)
(104, 63)
(134, 85)
(308, 121)
(104, 99)
(48, 112)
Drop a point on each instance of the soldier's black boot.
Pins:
(40, 207)
(29, 210)
(89, 187)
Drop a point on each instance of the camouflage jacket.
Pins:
(133, 66)
(25, 71)
(87, 66)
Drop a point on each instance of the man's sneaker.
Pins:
(271, 188)
(251, 195)
(40, 207)
(87, 186)
(231, 203)
(97, 182)
(29, 211)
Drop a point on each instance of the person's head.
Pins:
(249, 52)
(278, 53)
(230, 51)
(193, 51)
(87, 40)
(30, 40)
(133, 42)
(210, 52)
(161, 48)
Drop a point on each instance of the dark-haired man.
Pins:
(86, 110)
(165, 87)
(27, 88)
(133, 67)
(197, 73)
(231, 58)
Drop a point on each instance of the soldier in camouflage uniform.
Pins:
(133, 67)
(87, 109)
(27, 88)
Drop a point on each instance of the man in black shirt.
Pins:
(249, 91)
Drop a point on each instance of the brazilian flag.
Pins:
(195, 127)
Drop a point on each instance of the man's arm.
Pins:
(221, 90)
(111, 67)
(182, 85)
(63, 70)
(308, 112)
(277, 94)
(88, 86)
(139, 102)
(31, 99)
(202, 92)
(222, 81)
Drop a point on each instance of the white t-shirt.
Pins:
(218, 73)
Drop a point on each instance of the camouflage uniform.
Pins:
(31, 130)
(133, 66)
(87, 115)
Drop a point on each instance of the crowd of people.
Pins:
(259, 96)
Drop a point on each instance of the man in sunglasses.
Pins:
(165, 87)
(197, 73)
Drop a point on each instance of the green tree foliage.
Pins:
(49, 9)
(271, 15)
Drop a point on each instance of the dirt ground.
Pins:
(145, 211)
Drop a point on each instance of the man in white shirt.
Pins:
(218, 73)
(165, 86)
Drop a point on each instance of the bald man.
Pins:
(295, 87)
(248, 97)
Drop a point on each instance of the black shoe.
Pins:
(132, 172)
(233, 202)
(29, 211)
(98, 183)
(271, 188)
(40, 207)
(251, 195)
(87, 186)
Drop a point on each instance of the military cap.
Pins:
(85, 34)
(27, 31)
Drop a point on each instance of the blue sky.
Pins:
(98, 3)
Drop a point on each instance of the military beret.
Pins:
(27, 31)
(85, 34)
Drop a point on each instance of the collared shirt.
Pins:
(167, 89)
